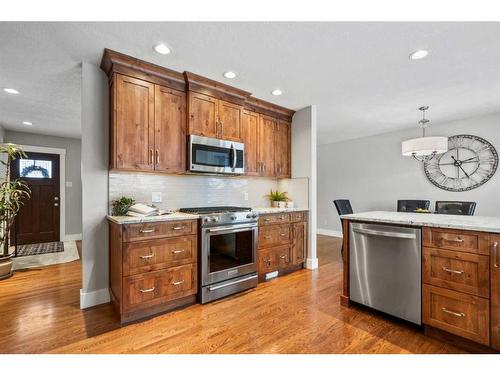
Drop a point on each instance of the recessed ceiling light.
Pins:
(27, 123)
(230, 75)
(11, 91)
(162, 49)
(276, 92)
(417, 55)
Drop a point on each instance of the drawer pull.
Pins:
(452, 271)
(178, 228)
(147, 256)
(495, 257)
(283, 234)
(458, 239)
(267, 219)
(460, 315)
(282, 256)
(147, 290)
(147, 230)
(282, 217)
(267, 237)
(177, 282)
(177, 251)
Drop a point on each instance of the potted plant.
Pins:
(12, 193)
(278, 198)
(119, 207)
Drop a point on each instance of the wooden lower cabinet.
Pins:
(153, 267)
(282, 243)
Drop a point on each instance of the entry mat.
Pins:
(40, 248)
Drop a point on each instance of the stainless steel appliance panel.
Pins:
(228, 287)
(214, 155)
(385, 269)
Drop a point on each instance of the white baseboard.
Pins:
(73, 237)
(96, 297)
(329, 232)
(311, 263)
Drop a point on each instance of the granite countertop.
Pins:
(183, 216)
(477, 223)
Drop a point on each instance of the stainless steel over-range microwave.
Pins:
(213, 155)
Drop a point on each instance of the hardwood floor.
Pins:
(297, 313)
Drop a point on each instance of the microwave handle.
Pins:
(233, 153)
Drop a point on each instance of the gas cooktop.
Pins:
(214, 210)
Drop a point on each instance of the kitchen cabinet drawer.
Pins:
(451, 239)
(146, 290)
(298, 216)
(269, 219)
(458, 313)
(274, 235)
(143, 231)
(152, 255)
(283, 256)
(468, 273)
(267, 261)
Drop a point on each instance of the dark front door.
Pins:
(38, 218)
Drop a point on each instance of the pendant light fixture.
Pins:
(424, 148)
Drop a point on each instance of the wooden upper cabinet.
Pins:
(282, 152)
(203, 115)
(230, 116)
(170, 130)
(266, 145)
(133, 128)
(249, 133)
(495, 290)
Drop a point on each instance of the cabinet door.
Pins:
(249, 131)
(282, 158)
(267, 261)
(134, 123)
(230, 121)
(266, 145)
(495, 291)
(203, 115)
(170, 133)
(299, 242)
(283, 257)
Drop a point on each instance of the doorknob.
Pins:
(56, 204)
(56, 198)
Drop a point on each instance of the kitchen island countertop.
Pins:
(475, 223)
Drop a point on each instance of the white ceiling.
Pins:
(358, 74)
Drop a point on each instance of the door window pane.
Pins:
(35, 168)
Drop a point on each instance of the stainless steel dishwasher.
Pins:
(385, 269)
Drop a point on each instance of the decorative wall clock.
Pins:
(469, 162)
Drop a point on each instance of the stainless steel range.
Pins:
(228, 253)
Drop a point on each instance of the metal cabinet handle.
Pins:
(460, 315)
(495, 257)
(150, 156)
(267, 219)
(146, 230)
(157, 153)
(282, 256)
(283, 234)
(177, 251)
(458, 239)
(452, 271)
(177, 282)
(147, 290)
(147, 256)
(267, 237)
(178, 228)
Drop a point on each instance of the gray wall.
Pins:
(373, 174)
(72, 146)
(95, 186)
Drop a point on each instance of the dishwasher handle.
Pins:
(410, 236)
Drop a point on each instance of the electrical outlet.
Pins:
(245, 195)
(156, 197)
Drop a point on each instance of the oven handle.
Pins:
(233, 156)
(232, 283)
(238, 228)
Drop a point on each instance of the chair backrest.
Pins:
(408, 205)
(455, 208)
(343, 206)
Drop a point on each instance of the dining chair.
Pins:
(343, 207)
(409, 205)
(455, 208)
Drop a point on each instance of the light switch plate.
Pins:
(156, 197)
(245, 195)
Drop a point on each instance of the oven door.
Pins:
(228, 252)
(215, 155)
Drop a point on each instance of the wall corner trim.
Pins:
(96, 297)
(312, 263)
(73, 237)
(329, 232)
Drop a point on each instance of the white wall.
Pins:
(73, 196)
(304, 166)
(94, 186)
(373, 174)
